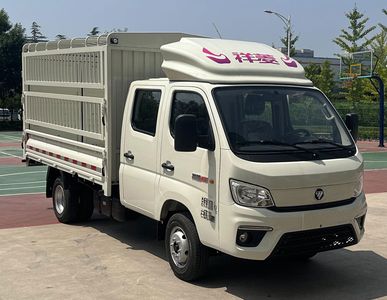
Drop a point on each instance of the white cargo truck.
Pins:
(234, 150)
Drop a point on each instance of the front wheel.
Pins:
(187, 256)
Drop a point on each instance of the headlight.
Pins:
(359, 186)
(250, 195)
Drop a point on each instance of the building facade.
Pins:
(306, 57)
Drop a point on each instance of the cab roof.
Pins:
(229, 61)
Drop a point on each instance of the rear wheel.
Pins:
(187, 256)
(65, 201)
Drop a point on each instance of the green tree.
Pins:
(293, 39)
(327, 82)
(12, 38)
(380, 24)
(353, 40)
(322, 77)
(36, 34)
(125, 29)
(313, 72)
(60, 37)
(5, 25)
(379, 47)
(94, 31)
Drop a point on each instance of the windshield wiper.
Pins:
(277, 143)
(324, 141)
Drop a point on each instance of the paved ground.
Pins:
(42, 259)
(104, 259)
(375, 163)
(15, 177)
(26, 210)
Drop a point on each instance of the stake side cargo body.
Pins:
(74, 94)
(235, 150)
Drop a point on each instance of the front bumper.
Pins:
(337, 222)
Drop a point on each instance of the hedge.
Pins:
(11, 125)
(368, 112)
(368, 118)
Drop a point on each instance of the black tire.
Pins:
(65, 202)
(193, 264)
(86, 204)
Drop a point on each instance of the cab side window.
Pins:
(192, 103)
(145, 109)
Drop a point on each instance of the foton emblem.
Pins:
(319, 194)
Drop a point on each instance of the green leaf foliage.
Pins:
(355, 38)
(379, 46)
(36, 35)
(94, 31)
(327, 82)
(322, 77)
(380, 24)
(293, 39)
(12, 38)
(5, 25)
(60, 37)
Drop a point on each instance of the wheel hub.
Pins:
(59, 199)
(179, 247)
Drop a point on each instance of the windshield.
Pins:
(281, 123)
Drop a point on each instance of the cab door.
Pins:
(140, 149)
(191, 177)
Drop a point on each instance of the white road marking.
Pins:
(21, 173)
(373, 152)
(23, 188)
(19, 183)
(11, 149)
(11, 137)
(5, 153)
(22, 194)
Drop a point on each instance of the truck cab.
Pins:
(264, 169)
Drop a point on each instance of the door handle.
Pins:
(168, 166)
(129, 155)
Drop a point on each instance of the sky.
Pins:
(316, 22)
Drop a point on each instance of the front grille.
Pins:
(315, 240)
(312, 206)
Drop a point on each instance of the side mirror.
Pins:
(352, 123)
(186, 136)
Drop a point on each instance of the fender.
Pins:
(207, 231)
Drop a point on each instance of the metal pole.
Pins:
(288, 36)
(381, 109)
(217, 31)
(287, 24)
